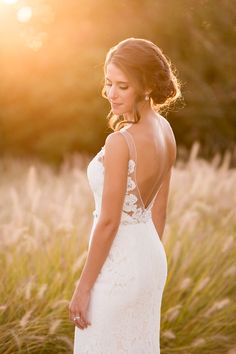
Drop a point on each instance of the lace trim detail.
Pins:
(130, 203)
(131, 212)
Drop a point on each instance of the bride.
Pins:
(116, 305)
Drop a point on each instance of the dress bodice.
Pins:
(133, 210)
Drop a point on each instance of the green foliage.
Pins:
(50, 95)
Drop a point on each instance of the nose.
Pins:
(111, 93)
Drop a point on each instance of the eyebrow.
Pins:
(119, 82)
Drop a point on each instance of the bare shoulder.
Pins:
(167, 126)
(170, 136)
(115, 144)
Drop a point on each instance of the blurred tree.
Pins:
(52, 71)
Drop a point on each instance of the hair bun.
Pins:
(163, 92)
(145, 64)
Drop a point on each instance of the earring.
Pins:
(146, 97)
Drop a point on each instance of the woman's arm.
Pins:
(115, 182)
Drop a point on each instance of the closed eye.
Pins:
(122, 88)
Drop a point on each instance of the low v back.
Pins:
(146, 187)
(144, 181)
(126, 296)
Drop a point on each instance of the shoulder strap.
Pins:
(131, 145)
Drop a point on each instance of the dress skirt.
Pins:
(125, 302)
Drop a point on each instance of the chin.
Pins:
(118, 111)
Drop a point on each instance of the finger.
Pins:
(79, 324)
(80, 321)
(72, 316)
(86, 322)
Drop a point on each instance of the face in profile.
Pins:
(119, 90)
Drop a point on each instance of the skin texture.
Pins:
(120, 90)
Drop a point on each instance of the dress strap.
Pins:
(133, 155)
(131, 145)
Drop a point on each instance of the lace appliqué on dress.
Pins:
(132, 212)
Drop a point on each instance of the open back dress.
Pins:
(125, 302)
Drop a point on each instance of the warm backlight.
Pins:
(24, 14)
(9, 2)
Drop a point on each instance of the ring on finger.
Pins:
(77, 318)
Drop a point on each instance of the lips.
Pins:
(116, 104)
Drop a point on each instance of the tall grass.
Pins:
(45, 219)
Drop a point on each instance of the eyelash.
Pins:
(122, 88)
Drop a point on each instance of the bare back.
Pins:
(153, 151)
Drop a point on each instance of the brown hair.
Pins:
(147, 66)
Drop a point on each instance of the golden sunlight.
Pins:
(24, 14)
(9, 2)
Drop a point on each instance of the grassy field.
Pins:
(45, 219)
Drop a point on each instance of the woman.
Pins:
(116, 304)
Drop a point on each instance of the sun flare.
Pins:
(9, 2)
(24, 14)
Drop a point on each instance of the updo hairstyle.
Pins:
(147, 68)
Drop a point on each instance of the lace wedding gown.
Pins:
(125, 302)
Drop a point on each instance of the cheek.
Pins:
(129, 97)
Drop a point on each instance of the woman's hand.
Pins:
(78, 306)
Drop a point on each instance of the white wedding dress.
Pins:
(125, 302)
